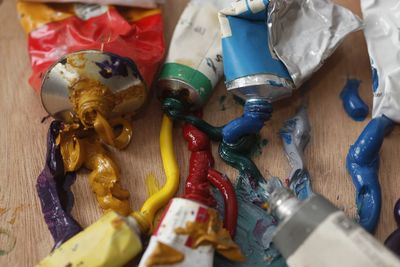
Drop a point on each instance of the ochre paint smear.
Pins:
(3, 210)
(14, 215)
(164, 254)
(7, 242)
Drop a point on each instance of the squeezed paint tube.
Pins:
(393, 240)
(114, 240)
(195, 210)
(380, 31)
(193, 65)
(295, 135)
(315, 233)
(271, 47)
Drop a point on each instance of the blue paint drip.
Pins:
(362, 163)
(352, 102)
(256, 112)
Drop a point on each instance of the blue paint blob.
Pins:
(362, 163)
(375, 79)
(256, 112)
(352, 102)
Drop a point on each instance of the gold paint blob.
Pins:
(211, 232)
(82, 147)
(163, 255)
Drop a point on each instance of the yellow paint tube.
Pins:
(114, 240)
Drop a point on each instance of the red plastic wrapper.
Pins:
(55, 30)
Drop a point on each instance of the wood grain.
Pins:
(22, 140)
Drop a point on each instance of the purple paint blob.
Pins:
(53, 188)
(396, 212)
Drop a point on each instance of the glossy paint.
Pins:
(53, 188)
(362, 163)
(354, 106)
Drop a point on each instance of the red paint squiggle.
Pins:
(223, 184)
(201, 174)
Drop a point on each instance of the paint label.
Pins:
(88, 11)
(381, 30)
(195, 55)
(179, 212)
(338, 241)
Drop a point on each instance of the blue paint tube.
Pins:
(271, 47)
(354, 106)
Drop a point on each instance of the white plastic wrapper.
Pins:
(135, 3)
(305, 33)
(382, 24)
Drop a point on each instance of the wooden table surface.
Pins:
(23, 136)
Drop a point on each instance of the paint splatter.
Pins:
(14, 214)
(7, 242)
(257, 149)
(3, 210)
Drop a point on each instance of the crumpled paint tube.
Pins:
(167, 247)
(393, 240)
(272, 47)
(354, 106)
(52, 186)
(191, 75)
(114, 240)
(380, 29)
(295, 135)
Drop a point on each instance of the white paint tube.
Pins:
(381, 30)
(315, 233)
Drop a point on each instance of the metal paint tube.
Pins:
(193, 65)
(271, 47)
(295, 135)
(315, 233)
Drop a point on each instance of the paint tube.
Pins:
(315, 233)
(380, 30)
(188, 233)
(168, 247)
(271, 47)
(193, 65)
(295, 135)
(111, 242)
(134, 3)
